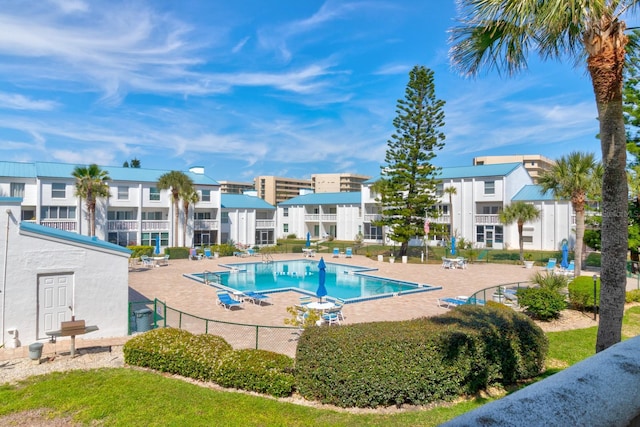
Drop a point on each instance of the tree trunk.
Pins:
(403, 249)
(614, 222)
(175, 223)
(578, 249)
(521, 240)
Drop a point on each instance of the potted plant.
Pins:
(528, 261)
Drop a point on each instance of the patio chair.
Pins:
(339, 303)
(336, 252)
(165, 261)
(194, 255)
(256, 297)
(571, 269)
(207, 253)
(331, 318)
(146, 261)
(551, 265)
(225, 300)
(305, 300)
(348, 252)
(451, 302)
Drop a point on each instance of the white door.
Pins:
(55, 297)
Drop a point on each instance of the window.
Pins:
(439, 189)
(285, 212)
(224, 217)
(154, 194)
(149, 239)
(123, 238)
(28, 215)
(17, 189)
(371, 232)
(152, 216)
(58, 190)
(203, 215)
(285, 228)
(206, 196)
(489, 187)
(58, 212)
(120, 215)
(123, 192)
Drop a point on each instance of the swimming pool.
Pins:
(342, 281)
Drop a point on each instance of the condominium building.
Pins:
(235, 187)
(136, 213)
(275, 189)
(535, 164)
(337, 182)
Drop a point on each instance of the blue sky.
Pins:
(253, 87)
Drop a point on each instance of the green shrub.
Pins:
(633, 296)
(593, 259)
(296, 249)
(581, 292)
(177, 252)
(291, 236)
(418, 361)
(542, 303)
(225, 249)
(257, 370)
(138, 251)
(555, 282)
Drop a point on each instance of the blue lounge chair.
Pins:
(305, 300)
(256, 297)
(348, 252)
(207, 253)
(551, 265)
(225, 300)
(571, 269)
(336, 252)
(451, 302)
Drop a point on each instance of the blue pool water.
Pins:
(342, 281)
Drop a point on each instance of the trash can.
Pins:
(143, 319)
(35, 351)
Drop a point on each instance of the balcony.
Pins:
(442, 219)
(61, 224)
(155, 225)
(372, 217)
(265, 223)
(205, 224)
(487, 219)
(120, 225)
(321, 218)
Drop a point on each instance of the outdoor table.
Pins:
(307, 252)
(157, 259)
(321, 305)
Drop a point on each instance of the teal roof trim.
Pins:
(479, 171)
(17, 170)
(71, 237)
(242, 201)
(342, 198)
(17, 200)
(532, 193)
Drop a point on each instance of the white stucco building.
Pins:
(49, 275)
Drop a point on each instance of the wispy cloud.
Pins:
(15, 101)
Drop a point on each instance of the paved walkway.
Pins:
(168, 284)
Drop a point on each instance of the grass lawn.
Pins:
(135, 397)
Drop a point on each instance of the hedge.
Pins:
(418, 361)
(581, 292)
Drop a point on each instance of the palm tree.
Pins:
(189, 197)
(500, 34)
(575, 177)
(91, 184)
(450, 190)
(519, 212)
(177, 182)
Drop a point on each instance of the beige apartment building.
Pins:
(337, 182)
(275, 189)
(533, 163)
(235, 187)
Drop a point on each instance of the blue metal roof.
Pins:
(71, 237)
(243, 201)
(532, 193)
(65, 170)
(342, 198)
(17, 170)
(479, 171)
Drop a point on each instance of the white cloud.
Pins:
(15, 101)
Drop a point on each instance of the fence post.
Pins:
(257, 330)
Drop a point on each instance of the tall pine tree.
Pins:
(407, 188)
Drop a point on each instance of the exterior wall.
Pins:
(337, 182)
(99, 281)
(535, 164)
(275, 190)
(242, 226)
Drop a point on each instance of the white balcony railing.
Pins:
(265, 223)
(122, 225)
(312, 217)
(205, 224)
(442, 219)
(487, 219)
(61, 224)
(372, 217)
(155, 225)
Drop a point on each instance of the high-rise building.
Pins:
(235, 187)
(337, 182)
(535, 164)
(275, 189)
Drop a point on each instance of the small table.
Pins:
(321, 305)
(157, 259)
(307, 252)
(71, 333)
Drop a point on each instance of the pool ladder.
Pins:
(267, 258)
(206, 276)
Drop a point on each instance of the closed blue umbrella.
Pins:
(158, 246)
(322, 290)
(308, 239)
(565, 255)
(453, 246)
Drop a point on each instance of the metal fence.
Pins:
(505, 294)
(279, 339)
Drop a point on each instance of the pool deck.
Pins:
(168, 284)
